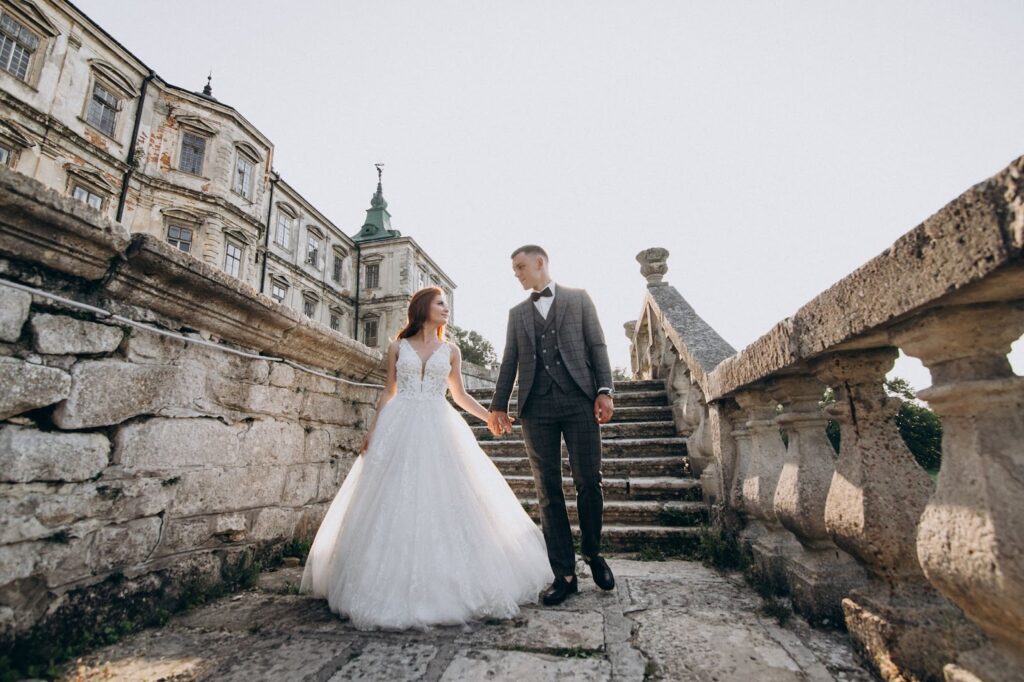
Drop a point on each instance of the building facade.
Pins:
(83, 115)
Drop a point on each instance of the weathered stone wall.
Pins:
(134, 465)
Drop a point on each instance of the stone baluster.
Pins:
(741, 438)
(875, 501)
(971, 537)
(820, 575)
(685, 398)
(767, 540)
(630, 329)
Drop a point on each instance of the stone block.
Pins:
(131, 543)
(63, 335)
(35, 511)
(231, 527)
(329, 409)
(255, 398)
(30, 455)
(318, 446)
(274, 523)
(271, 441)
(28, 386)
(14, 307)
(164, 443)
(301, 484)
(105, 392)
(183, 535)
(498, 664)
(225, 489)
(143, 347)
(282, 375)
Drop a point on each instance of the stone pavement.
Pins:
(671, 620)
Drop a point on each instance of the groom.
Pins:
(554, 342)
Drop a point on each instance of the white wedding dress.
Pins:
(424, 530)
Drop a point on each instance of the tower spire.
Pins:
(208, 90)
(378, 220)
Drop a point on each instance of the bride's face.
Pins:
(439, 311)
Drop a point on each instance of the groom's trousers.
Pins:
(546, 419)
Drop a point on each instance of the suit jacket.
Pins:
(580, 343)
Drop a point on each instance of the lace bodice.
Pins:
(420, 380)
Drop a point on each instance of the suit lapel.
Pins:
(564, 306)
(527, 317)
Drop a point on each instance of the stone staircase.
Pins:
(652, 502)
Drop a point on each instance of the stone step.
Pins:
(645, 488)
(631, 386)
(637, 512)
(622, 400)
(641, 413)
(656, 429)
(674, 541)
(614, 447)
(614, 467)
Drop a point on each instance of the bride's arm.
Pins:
(455, 385)
(390, 388)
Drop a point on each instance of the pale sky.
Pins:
(772, 147)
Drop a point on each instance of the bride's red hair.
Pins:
(419, 312)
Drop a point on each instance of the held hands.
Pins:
(604, 408)
(499, 423)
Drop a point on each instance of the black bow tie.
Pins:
(536, 296)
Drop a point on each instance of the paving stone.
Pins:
(671, 620)
(472, 665)
(388, 662)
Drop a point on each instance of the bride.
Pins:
(425, 530)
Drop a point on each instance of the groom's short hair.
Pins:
(530, 250)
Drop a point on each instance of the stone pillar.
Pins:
(769, 543)
(820, 575)
(971, 538)
(741, 438)
(630, 329)
(874, 504)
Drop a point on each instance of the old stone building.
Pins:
(85, 116)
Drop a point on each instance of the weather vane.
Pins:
(380, 171)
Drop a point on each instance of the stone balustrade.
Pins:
(137, 468)
(928, 577)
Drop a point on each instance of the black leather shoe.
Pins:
(559, 591)
(602, 573)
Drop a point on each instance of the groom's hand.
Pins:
(604, 408)
(498, 422)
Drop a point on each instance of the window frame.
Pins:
(309, 306)
(315, 253)
(278, 284)
(283, 215)
(5, 35)
(90, 192)
(12, 154)
(177, 226)
(204, 139)
(376, 332)
(116, 107)
(228, 244)
(245, 188)
(376, 276)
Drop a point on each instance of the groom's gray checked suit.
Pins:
(562, 362)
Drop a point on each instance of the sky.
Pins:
(771, 147)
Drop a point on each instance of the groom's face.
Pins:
(530, 269)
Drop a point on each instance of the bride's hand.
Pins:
(366, 443)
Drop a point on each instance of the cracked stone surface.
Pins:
(671, 620)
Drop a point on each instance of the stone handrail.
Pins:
(866, 535)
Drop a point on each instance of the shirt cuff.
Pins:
(604, 389)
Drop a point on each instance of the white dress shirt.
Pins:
(543, 306)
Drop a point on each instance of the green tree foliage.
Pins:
(475, 348)
(919, 427)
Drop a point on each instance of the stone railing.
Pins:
(137, 468)
(478, 376)
(865, 535)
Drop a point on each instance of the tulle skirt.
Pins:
(425, 530)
